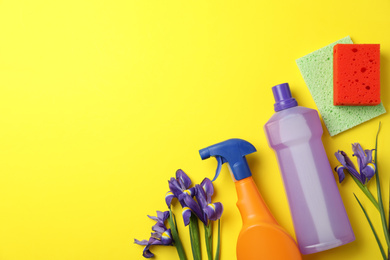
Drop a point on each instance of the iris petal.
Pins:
(160, 236)
(156, 235)
(186, 213)
(178, 187)
(364, 158)
(188, 192)
(369, 171)
(359, 153)
(142, 242)
(340, 157)
(201, 197)
(348, 164)
(168, 198)
(368, 156)
(159, 228)
(175, 188)
(163, 216)
(208, 188)
(183, 179)
(153, 217)
(166, 237)
(214, 211)
(146, 253)
(160, 216)
(191, 203)
(152, 241)
(340, 172)
(192, 191)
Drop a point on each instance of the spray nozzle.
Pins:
(232, 151)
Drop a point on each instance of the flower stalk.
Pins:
(368, 168)
(175, 236)
(208, 238)
(367, 192)
(379, 194)
(219, 241)
(372, 228)
(195, 237)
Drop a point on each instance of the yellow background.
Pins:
(102, 101)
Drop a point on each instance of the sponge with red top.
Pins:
(317, 71)
(356, 75)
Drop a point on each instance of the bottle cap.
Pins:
(283, 98)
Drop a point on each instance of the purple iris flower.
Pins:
(364, 158)
(161, 235)
(180, 189)
(205, 209)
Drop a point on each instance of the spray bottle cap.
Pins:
(283, 98)
(232, 151)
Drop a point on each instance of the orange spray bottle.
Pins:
(261, 237)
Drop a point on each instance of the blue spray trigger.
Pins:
(220, 161)
(232, 151)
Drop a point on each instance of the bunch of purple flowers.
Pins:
(196, 204)
(368, 168)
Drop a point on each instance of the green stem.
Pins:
(372, 228)
(175, 236)
(367, 192)
(219, 241)
(378, 186)
(195, 237)
(208, 231)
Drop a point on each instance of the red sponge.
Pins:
(356, 75)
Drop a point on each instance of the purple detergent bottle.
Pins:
(318, 213)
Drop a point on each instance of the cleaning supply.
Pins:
(317, 71)
(356, 75)
(261, 237)
(318, 213)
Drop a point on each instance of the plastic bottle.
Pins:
(260, 237)
(318, 213)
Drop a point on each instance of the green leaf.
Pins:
(219, 240)
(372, 228)
(388, 228)
(378, 186)
(175, 236)
(195, 237)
